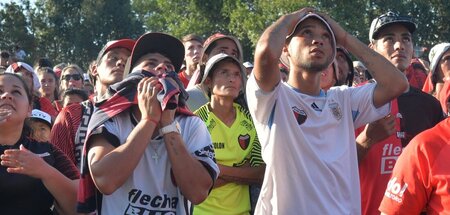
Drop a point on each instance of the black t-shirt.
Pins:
(21, 194)
(420, 111)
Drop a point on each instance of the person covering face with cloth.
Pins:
(145, 151)
(306, 134)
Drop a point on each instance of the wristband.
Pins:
(150, 119)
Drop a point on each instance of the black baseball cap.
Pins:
(387, 19)
(161, 43)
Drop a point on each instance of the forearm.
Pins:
(363, 145)
(242, 175)
(63, 189)
(191, 176)
(105, 160)
(268, 51)
(219, 182)
(362, 151)
(273, 39)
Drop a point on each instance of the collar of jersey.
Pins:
(321, 94)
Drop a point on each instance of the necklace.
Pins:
(155, 155)
(154, 146)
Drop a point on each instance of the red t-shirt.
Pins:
(421, 178)
(444, 96)
(416, 77)
(428, 85)
(47, 106)
(418, 111)
(183, 78)
(64, 131)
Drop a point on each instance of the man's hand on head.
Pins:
(339, 33)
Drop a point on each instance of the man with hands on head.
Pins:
(306, 129)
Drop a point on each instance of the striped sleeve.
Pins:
(255, 157)
(64, 165)
(255, 154)
(64, 129)
(203, 113)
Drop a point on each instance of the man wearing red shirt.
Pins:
(69, 130)
(420, 180)
(193, 47)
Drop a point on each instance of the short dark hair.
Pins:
(43, 62)
(5, 54)
(75, 91)
(191, 37)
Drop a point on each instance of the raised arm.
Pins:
(191, 176)
(269, 49)
(104, 160)
(62, 188)
(390, 81)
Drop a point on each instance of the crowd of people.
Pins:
(318, 123)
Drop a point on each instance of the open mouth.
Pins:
(7, 107)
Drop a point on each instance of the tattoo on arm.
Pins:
(172, 142)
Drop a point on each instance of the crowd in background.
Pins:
(160, 124)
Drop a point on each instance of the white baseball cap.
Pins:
(41, 115)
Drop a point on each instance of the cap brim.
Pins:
(408, 25)
(161, 43)
(217, 59)
(41, 120)
(234, 39)
(122, 43)
(284, 59)
(310, 15)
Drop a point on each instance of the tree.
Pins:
(15, 28)
(75, 30)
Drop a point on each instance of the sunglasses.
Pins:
(75, 77)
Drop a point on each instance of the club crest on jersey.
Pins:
(300, 115)
(244, 141)
(336, 110)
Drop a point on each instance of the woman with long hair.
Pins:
(49, 83)
(34, 175)
(236, 145)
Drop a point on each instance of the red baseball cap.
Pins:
(122, 43)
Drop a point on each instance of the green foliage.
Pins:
(14, 28)
(75, 30)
